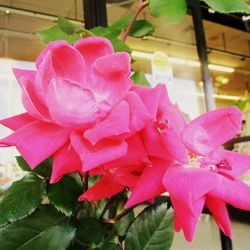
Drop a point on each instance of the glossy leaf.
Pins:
(123, 224)
(110, 242)
(89, 231)
(229, 6)
(151, 230)
(139, 78)
(142, 28)
(169, 11)
(108, 32)
(67, 26)
(120, 45)
(64, 194)
(46, 229)
(21, 199)
(43, 169)
(55, 33)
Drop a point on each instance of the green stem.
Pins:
(140, 7)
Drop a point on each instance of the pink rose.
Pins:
(80, 108)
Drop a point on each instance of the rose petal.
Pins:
(149, 185)
(153, 142)
(233, 192)
(150, 97)
(31, 102)
(94, 156)
(139, 116)
(37, 141)
(197, 140)
(116, 124)
(18, 121)
(92, 48)
(71, 106)
(197, 182)
(135, 155)
(107, 186)
(110, 77)
(65, 161)
(174, 145)
(67, 62)
(220, 214)
(221, 124)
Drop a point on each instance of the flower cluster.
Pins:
(83, 109)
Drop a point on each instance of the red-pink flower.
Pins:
(201, 173)
(79, 107)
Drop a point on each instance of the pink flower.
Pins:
(201, 173)
(79, 107)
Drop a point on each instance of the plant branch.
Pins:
(140, 7)
(124, 213)
(107, 206)
(86, 181)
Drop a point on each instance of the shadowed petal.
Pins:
(92, 48)
(94, 156)
(197, 140)
(66, 61)
(70, 105)
(65, 161)
(174, 145)
(149, 185)
(107, 186)
(136, 153)
(110, 77)
(37, 141)
(18, 121)
(139, 116)
(150, 97)
(116, 124)
(30, 100)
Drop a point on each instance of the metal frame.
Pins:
(95, 13)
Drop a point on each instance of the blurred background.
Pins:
(169, 56)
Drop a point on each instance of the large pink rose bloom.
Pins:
(80, 108)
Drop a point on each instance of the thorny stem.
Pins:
(140, 7)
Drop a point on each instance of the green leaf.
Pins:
(43, 169)
(169, 11)
(64, 194)
(120, 45)
(151, 230)
(21, 199)
(123, 22)
(66, 26)
(142, 28)
(55, 33)
(46, 229)
(139, 78)
(123, 224)
(89, 231)
(110, 242)
(107, 32)
(227, 6)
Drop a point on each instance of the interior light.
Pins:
(221, 68)
(177, 60)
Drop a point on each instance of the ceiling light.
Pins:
(177, 60)
(221, 68)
